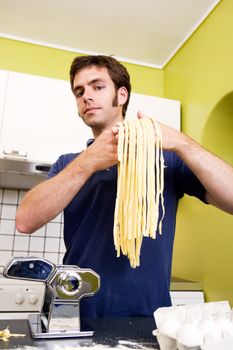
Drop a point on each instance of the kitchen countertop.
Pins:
(179, 284)
(112, 333)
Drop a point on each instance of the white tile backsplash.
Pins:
(5, 257)
(62, 246)
(8, 211)
(37, 254)
(6, 242)
(52, 244)
(60, 258)
(53, 257)
(46, 242)
(21, 243)
(40, 232)
(19, 253)
(53, 229)
(7, 227)
(10, 197)
(36, 244)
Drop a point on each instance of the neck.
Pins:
(96, 131)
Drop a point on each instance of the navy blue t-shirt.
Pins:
(88, 236)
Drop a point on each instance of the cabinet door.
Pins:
(40, 118)
(164, 110)
(3, 88)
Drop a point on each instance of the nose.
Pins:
(87, 96)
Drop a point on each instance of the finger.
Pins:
(140, 115)
(115, 129)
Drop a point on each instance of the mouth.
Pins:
(91, 110)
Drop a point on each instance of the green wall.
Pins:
(201, 76)
(40, 60)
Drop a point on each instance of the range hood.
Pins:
(16, 173)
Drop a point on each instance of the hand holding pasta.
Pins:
(139, 193)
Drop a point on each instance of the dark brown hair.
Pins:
(116, 70)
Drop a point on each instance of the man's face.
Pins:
(97, 100)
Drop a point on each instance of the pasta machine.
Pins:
(65, 286)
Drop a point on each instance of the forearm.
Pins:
(48, 199)
(214, 174)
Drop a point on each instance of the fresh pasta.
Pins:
(139, 187)
(5, 335)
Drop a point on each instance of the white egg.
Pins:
(210, 330)
(189, 335)
(169, 326)
(165, 342)
(225, 326)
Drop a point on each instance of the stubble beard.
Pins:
(115, 100)
(95, 125)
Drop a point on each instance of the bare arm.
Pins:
(215, 174)
(48, 199)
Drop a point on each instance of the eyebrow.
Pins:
(93, 81)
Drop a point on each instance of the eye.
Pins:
(98, 87)
(78, 91)
(78, 94)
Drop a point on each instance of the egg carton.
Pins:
(205, 326)
(171, 343)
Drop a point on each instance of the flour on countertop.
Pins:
(121, 345)
(26, 347)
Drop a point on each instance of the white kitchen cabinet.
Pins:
(164, 110)
(3, 87)
(38, 116)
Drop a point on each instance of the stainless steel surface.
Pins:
(65, 285)
(36, 322)
(18, 172)
(23, 166)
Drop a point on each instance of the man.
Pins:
(84, 186)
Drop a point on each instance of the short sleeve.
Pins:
(189, 183)
(61, 163)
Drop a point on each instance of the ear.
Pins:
(122, 95)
